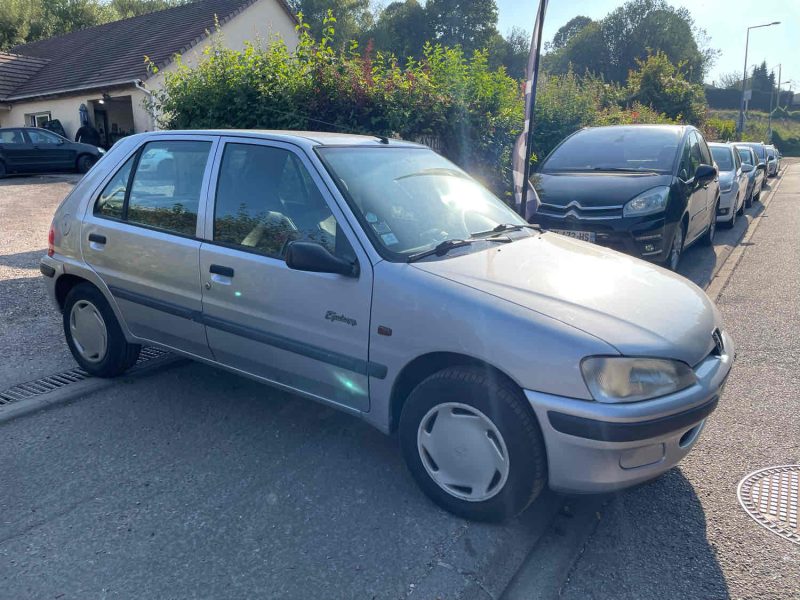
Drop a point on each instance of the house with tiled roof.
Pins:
(104, 68)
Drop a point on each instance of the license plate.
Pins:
(586, 236)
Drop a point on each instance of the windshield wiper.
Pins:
(440, 249)
(623, 170)
(502, 228)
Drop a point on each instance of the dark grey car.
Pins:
(36, 150)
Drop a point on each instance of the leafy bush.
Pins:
(722, 130)
(660, 84)
(469, 112)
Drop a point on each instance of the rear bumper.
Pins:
(594, 447)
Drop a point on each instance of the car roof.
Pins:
(303, 138)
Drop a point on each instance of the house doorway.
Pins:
(113, 118)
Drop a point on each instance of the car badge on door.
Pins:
(333, 316)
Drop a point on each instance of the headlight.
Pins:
(725, 188)
(100, 150)
(652, 201)
(620, 379)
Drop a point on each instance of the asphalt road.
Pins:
(193, 483)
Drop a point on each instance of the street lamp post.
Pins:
(740, 124)
(771, 94)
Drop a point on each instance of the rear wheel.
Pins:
(85, 163)
(473, 444)
(93, 333)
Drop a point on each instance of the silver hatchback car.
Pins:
(375, 276)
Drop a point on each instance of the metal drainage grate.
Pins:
(43, 385)
(771, 497)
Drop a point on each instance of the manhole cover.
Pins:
(771, 497)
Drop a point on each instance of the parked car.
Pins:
(761, 154)
(647, 190)
(733, 182)
(755, 177)
(36, 150)
(377, 277)
(772, 160)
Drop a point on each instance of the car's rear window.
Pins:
(616, 148)
(723, 158)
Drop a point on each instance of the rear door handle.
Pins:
(220, 270)
(97, 238)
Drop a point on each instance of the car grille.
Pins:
(576, 210)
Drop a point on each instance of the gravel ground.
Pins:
(30, 329)
(685, 535)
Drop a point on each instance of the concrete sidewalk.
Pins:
(685, 535)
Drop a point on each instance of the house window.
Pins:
(38, 119)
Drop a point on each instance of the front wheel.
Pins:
(93, 333)
(675, 250)
(85, 163)
(708, 238)
(472, 443)
(732, 223)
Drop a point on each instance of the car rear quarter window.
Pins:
(11, 136)
(111, 202)
(266, 198)
(165, 189)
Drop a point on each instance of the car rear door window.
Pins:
(266, 198)
(165, 190)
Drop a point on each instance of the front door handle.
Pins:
(220, 270)
(97, 238)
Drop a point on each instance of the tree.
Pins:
(730, 81)
(568, 31)
(133, 8)
(352, 16)
(470, 24)
(401, 29)
(762, 80)
(612, 46)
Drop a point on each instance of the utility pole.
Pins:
(740, 124)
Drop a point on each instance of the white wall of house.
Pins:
(259, 23)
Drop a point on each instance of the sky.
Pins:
(725, 22)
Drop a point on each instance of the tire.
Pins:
(93, 333)
(85, 163)
(676, 249)
(732, 223)
(501, 438)
(748, 203)
(740, 212)
(708, 236)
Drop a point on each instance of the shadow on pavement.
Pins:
(23, 260)
(663, 519)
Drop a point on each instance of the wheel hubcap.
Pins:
(88, 331)
(463, 452)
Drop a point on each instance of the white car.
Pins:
(733, 182)
(377, 277)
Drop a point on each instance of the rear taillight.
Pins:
(51, 241)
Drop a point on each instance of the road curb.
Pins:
(79, 389)
(721, 278)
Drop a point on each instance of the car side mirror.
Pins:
(310, 256)
(747, 168)
(705, 173)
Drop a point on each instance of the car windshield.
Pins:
(745, 156)
(759, 150)
(616, 148)
(410, 200)
(723, 158)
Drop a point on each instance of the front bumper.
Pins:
(726, 207)
(649, 238)
(594, 447)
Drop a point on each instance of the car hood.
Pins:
(88, 148)
(637, 307)
(595, 189)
